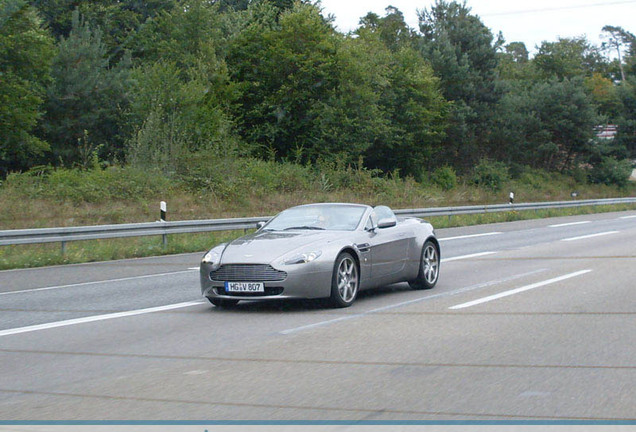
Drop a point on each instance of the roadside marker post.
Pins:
(163, 208)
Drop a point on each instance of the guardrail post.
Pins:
(63, 248)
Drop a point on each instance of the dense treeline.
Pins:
(166, 83)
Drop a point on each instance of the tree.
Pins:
(233, 5)
(416, 112)
(568, 58)
(348, 117)
(26, 51)
(182, 91)
(568, 115)
(172, 118)
(309, 93)
(626, 134)
(392, 29)
(548, 125)
(462, 52)
(514, 63)
(85, 98)
(184, 34)
(286, 71)
(618, 39)
(519, 136)
(518, 52)
(605, 95)
(118, 20)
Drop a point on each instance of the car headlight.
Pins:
(303, 258)
(213, 257)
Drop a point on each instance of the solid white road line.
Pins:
(569, 224)
(470, 236)
(96, 282)
(519, 290)
(590, 236)
(461, 257)
(97, 318)
(627, 217)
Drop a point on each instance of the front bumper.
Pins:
(303, 281)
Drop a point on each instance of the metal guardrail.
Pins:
(66, 234)
(450, 211)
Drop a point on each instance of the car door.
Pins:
(388, 247)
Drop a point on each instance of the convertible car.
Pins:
(322, 251)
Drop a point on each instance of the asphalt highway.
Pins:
(532, 320)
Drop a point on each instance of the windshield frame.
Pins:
(322, 209)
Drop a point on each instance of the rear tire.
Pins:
(429, 267)
(223, 303)
(345, 281)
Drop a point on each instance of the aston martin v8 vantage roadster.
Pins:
(322, 251)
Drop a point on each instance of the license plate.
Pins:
(258, 287)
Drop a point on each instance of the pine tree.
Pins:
(26, 51)
(86, 98)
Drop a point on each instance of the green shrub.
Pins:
(445, 177)
(232, 178)
(535, 179)
(335, 174)
(92, 186)
(491, 174)
(611, 171)
(292, 177)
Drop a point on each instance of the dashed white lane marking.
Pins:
(519, 290)
(569, 224)
(97, 318)
(408, 302)
(590, 236)
(96, 282)
(461, 257)
(627, 217)
(470, 236)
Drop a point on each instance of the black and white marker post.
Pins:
(512, 198)
(163, 207)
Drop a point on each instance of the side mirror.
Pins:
(260, 224)
(387, 223)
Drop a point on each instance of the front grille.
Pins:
(247, 273)
(269, 291)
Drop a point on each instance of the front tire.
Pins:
(345, 281)
(429, 267)
(223, 303)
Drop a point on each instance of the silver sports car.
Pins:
(322, 250)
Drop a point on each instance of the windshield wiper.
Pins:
(304, 227)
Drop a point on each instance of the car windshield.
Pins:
(317, 217)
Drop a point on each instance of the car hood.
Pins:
(265, 247)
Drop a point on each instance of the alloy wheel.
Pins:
(430, 264)
(347, 279)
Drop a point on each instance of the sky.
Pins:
(528, 22)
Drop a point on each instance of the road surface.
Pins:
(532, 320)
